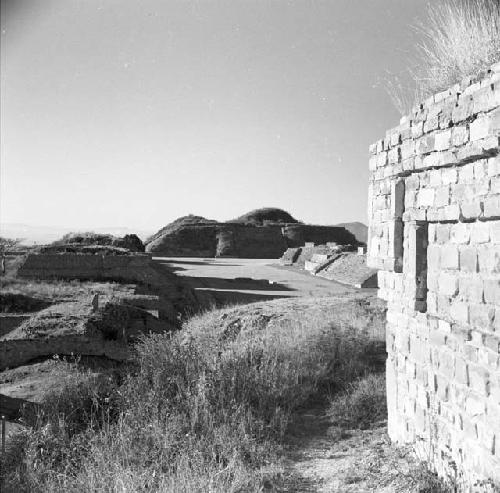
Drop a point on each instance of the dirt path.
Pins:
(321, 458)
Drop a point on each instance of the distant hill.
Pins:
(359, 230)
(265, 215)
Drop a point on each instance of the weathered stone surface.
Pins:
(443, 319)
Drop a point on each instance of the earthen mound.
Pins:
(179, 223)
(265, 215)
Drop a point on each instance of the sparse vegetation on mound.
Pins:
(265, 215)
(88, 239)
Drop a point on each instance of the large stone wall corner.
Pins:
(434, 235)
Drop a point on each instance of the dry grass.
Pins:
(54, 290)
(207, 408)
(362, 404)
(460, 39)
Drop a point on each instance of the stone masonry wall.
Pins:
(434, 211)
(128, 268)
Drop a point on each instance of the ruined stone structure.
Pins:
(243, 240)
(127, 268)
(434, 210)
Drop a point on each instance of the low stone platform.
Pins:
(350, 268)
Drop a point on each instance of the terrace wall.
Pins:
(434, 210)
(128, 268)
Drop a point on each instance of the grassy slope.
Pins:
(207, 409)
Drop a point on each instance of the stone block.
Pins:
(471, 288)
(450, 213)
(432, 123)
(460, 233)
(493, 167)
(442, 140)
(417, 129)
(479, 379)
(425, 197)
(459, 311)
(489, 259)
(492, 342)
(438, 159)
(448, 284)
(466, 174)
(450, 257)
(475, 406)
(479, 128)
(408, 164)
(443, 197)
(492, 206)
(460, 135)
(495, 185)
(470, 210)
(433, 258)
(407, 149)
(468, 259)
(480, 233)
(381, 159)
(449, 176)
(495, 231)
(480, 316)
(442, 233)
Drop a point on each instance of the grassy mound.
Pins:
(179, 223)
(205, 409)
(265, 215)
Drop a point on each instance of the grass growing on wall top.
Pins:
(460, 38)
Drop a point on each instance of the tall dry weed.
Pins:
(206, 408)
(460, 38)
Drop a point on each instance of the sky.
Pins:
(135, 112)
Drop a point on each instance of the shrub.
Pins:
(362, 404)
